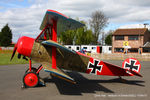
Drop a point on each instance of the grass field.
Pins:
(5, 56)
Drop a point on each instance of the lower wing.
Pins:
(57, 73)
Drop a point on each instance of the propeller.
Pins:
(23, 47)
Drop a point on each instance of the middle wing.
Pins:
(55, 44)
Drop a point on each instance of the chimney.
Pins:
(145, 24)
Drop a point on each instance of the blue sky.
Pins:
(8, 4)
(25, 16)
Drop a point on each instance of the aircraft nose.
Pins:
(24, 45)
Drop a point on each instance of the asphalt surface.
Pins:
(89, 87)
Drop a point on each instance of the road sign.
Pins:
(125, 43)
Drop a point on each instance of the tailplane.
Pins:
(130, 67)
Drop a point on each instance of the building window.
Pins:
(78, 48)
(133, 37)
(84, 47)
(119, 37)
(119, 49)
(110, 48)
(93, 47)
(132, 50)
(146, 49)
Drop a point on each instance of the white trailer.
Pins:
(106, 49)
(87, 48)
(74, 47)
(90, 48)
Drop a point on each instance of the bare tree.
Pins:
(97, 22)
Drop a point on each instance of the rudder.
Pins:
(133, 65)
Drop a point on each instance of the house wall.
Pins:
(131, 43)
(146, 36)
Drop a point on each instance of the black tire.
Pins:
(31, 82)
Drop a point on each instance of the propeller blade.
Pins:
(14, 51)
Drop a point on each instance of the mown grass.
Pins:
(5, 56)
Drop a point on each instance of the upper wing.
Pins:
(57, 72)
(63, 22)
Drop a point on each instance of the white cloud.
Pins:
(27, 20)
(135, 26)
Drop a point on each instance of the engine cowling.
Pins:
(24, 45)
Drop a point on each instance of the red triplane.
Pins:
(54, 57)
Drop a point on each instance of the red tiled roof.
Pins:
(134, 31)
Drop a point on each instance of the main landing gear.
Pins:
(31, 77)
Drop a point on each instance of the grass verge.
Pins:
(5, 56)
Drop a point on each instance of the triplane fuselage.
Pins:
(54, 57)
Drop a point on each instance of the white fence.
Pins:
(6, 48)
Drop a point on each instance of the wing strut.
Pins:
(54, 38)
(43, 31)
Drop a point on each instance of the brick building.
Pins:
(130, 40)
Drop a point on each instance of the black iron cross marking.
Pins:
(131, 65)
(95, 67)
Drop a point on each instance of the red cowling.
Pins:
(24, 45)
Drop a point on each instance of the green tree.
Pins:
(84, 36)
(108, 39)
(79, 36)
(5, 36)
(67, 37)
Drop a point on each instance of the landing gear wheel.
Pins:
(30, 79)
